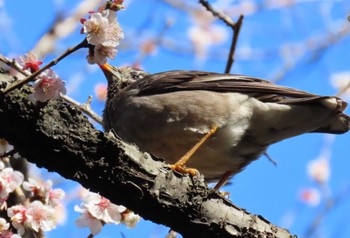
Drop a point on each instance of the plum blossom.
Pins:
(18, 217)
(101, 208)
(103, 33)
(319, 170)
(9, 181)
(47, 86)
(101, 91)
(54, 196)
(40, 217)
(87, 220)
(4, 225)
(43, 189)
(101, 53)
(8, 234)
(102, 27)
(30, 61)
(310, 196)
(95, 28)
(37, 187)
(97, 210)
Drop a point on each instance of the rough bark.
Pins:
(58, 137)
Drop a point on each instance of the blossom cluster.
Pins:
(103, 33)
(9, 181)
(97, 210)
(47, 85)
(37, 215)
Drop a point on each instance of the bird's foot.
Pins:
(180, 166)
(182, 169)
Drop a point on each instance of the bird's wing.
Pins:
(180, 80)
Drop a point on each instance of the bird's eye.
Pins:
(136, 74)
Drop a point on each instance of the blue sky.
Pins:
(273, 39)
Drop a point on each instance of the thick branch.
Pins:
(58, 137)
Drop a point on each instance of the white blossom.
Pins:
(40, 217)
(47, 86)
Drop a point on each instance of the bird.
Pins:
(209, 122)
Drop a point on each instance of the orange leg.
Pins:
(180, 165)
(223, 180)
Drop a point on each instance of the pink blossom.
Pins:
(88, 220)
(101, 208)
(4, 225)
(55, 196)
(38, 187)
(319, 170)
(40, 217)
(9, 234)
(95, 28)
(310, 196)
(9, 181)
(104, 34)
(18, 217)
(101, 53)
(101, 91)
(30, 61)
(48, 86)
(102, 27)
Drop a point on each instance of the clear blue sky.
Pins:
(265, 189)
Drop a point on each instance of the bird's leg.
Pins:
(223, 180)
(180, 165)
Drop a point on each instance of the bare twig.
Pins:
(31, 77)
(274, 162)
(84, 107)
(235, 26)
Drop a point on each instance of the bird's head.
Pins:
(121, 77)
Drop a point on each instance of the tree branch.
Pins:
(59, 137)
(236, 28)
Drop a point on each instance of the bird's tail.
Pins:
(338, 122)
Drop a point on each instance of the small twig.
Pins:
(236, 29)
(31, 77)
(84, 107)
(235, 26)
(274, 162)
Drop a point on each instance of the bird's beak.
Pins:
(110, 72)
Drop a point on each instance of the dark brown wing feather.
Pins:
(180, 80)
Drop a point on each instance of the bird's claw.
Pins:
(183, 170)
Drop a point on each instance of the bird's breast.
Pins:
(168, 125)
